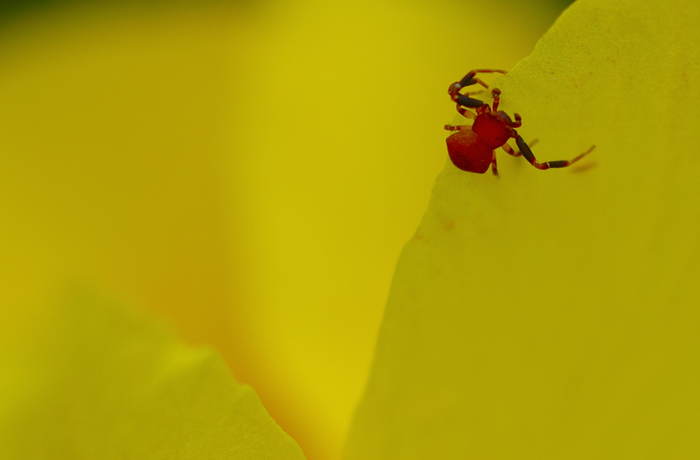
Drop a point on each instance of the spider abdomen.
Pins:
(469, 152)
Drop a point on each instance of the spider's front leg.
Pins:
(469, 80)
(527, 153)
(510, 150)
(456, 127)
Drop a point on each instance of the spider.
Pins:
(472, 148)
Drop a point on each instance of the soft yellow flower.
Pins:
(251, 173)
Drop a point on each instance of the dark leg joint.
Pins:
(467, 101)
(527, 153)
(525, 149)
(468, 79)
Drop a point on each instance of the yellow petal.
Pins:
(554, 314)
(341, 102)
(117, 125)
(101, 383)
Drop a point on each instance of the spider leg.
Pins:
(527, 153)
(494, 166)
(456, 127)
(465, 113)
(496, 95)
(468, 80)
(471, 93)
(510, 150)
(461, 99)
(518, 123)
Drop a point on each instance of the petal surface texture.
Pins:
(554, 314)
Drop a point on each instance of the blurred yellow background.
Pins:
(249, 172)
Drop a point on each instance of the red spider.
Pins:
(472, 148)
